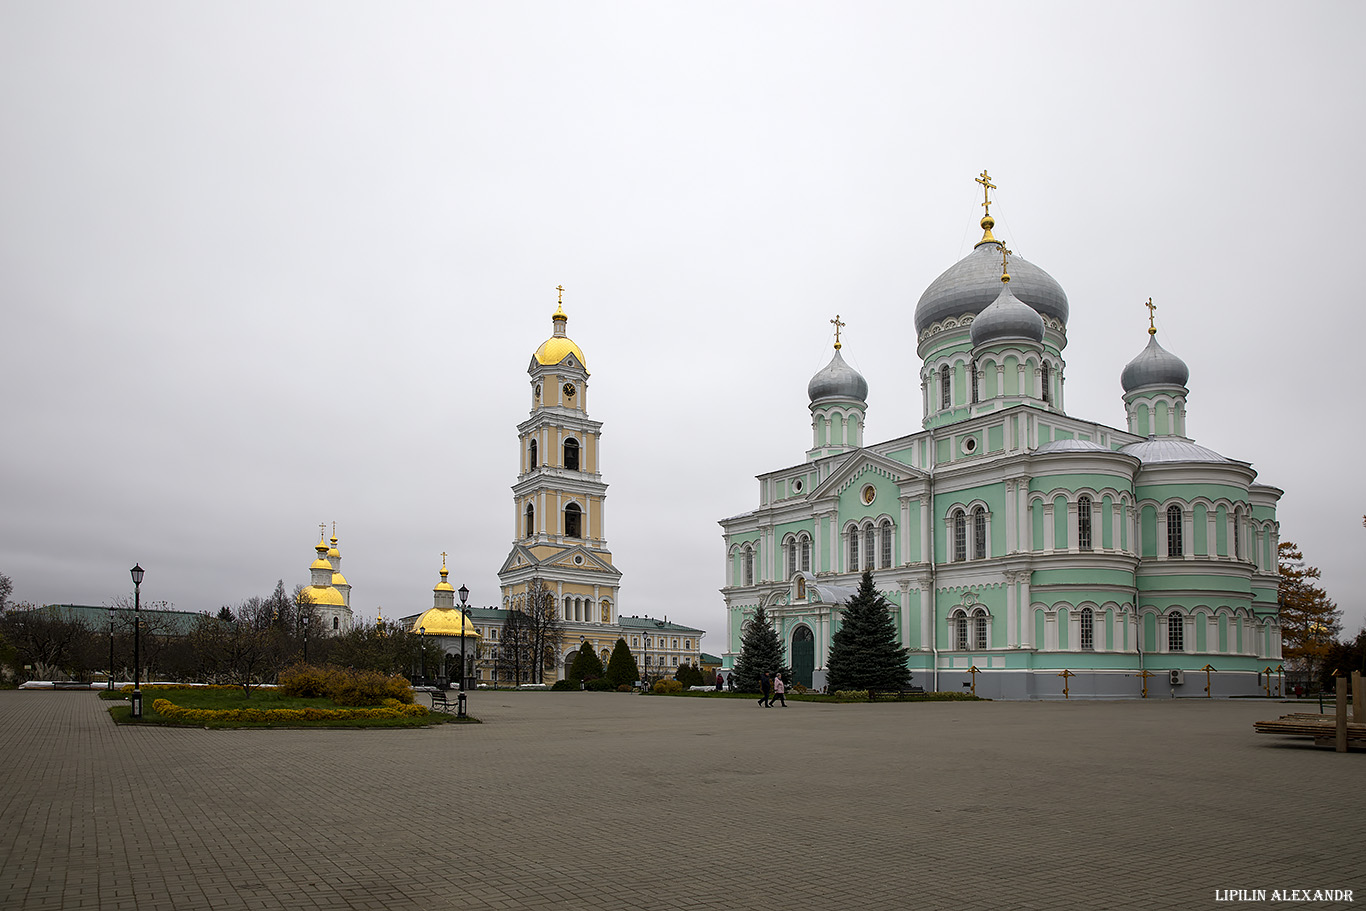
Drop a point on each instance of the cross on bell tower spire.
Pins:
(1152, 328)
(987, 221)
(838, 324)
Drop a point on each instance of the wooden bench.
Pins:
(1322, 728)
(440, 702)
(896, 695)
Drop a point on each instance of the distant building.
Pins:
(1018, 546)
(328, 592)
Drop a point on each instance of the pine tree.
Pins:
(586, 665)
(621, 666)
(864, 653)
(1310, 621)
(760, 652)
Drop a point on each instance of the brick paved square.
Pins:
(610, 801)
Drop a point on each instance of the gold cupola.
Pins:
(559, 346)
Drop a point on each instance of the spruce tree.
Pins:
(864, 653)
(586, 664)
(621, 666)
(760, 652)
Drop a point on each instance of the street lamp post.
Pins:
(305, 620)
(422, 657)
(137, 573)
(464, 622)
(111, 649)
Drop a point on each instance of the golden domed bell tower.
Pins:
(560, 528)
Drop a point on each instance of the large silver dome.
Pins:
(971, 284)
(1166, 449)
(1154, 366)
(1007, 319)
(837, 380)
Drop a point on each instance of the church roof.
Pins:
(1170, 449)
(444, 621)
(974, 282)
(837, 380)
(559, 346)
(1154, 366)
(1073, 446)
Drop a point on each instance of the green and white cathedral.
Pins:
(1020, 547)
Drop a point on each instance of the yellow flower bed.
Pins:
(391, 708)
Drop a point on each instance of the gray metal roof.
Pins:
(1007, 318)
(837, 380)
(1073, 446)
(1154, 366)
(971, 284)
(1171, 449)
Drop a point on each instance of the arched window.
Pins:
(568, 608)
(960, 630)
(979, 534)
(853, 550)
(748, 560)
(886, 544)
(1047, 392)
(607, 612)
(571, 455)
(1088, 629)
(945, 393)
(979, 628)
(1237, 535)
(1176, 632)
(869, 547)
(531, 451)
(960, 536)
(1084, 522)
(806, 553)
(973, 367)
(530, 520)
(336, 623)
(1174, 531)
(573, 521)
(791, 558)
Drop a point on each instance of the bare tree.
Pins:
(545, 631)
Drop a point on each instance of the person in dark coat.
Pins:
(764, 688)
(720, 683)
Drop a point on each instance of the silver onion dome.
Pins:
(837, 380)
(1007, 319)
(971, 284)
(1154, 366)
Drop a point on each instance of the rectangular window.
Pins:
(979, 534)
(962, 633)
(853, 550)
(960, 537)
(886, 545)
(806, 555)
(1174, 531)
(791, 560)
(1084, 523)
(1088, 631)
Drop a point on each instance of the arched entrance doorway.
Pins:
(803, 655)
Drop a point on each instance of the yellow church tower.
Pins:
(560, 527)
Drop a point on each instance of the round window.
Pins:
(797, 485)
(970, 444)
(578, 559)
(869, 494)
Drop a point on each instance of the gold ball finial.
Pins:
(1152, 327)
(838, 324)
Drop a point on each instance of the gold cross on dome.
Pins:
(838, 325)
(1005, 257)
(987, 187)
(560, 288)
(443, 559)
(1152, 328)
(322, 530)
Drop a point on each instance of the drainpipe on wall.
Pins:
(934, 601)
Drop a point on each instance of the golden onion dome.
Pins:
(445, 621)
(321, 563)
(332, 551)
(443, 586)
(339, 579)
(324, 595)
(555, 349)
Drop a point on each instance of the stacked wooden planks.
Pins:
(1320, 727)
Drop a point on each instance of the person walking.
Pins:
(779, 688)
(764, 688)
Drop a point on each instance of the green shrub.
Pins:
(852, 695)
(668, 686)
(563, 685)
(625, 688)
(601, 685)
(304, 680)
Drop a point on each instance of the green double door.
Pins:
(803, 655)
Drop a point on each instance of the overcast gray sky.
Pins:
(265, 265)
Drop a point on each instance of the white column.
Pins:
(926, 541)
(1072, 527)
(1026, 614)
(1048, 543)
(1012, 608)
(905, 613)
(927, 633)
(903, 530)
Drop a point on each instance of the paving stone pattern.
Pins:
(610, 801)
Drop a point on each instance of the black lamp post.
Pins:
(305, 621)
(464, 622)
(645, 672)
(111, 649)
(137, 573)
(422, 639)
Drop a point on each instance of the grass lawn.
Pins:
(220, 699)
